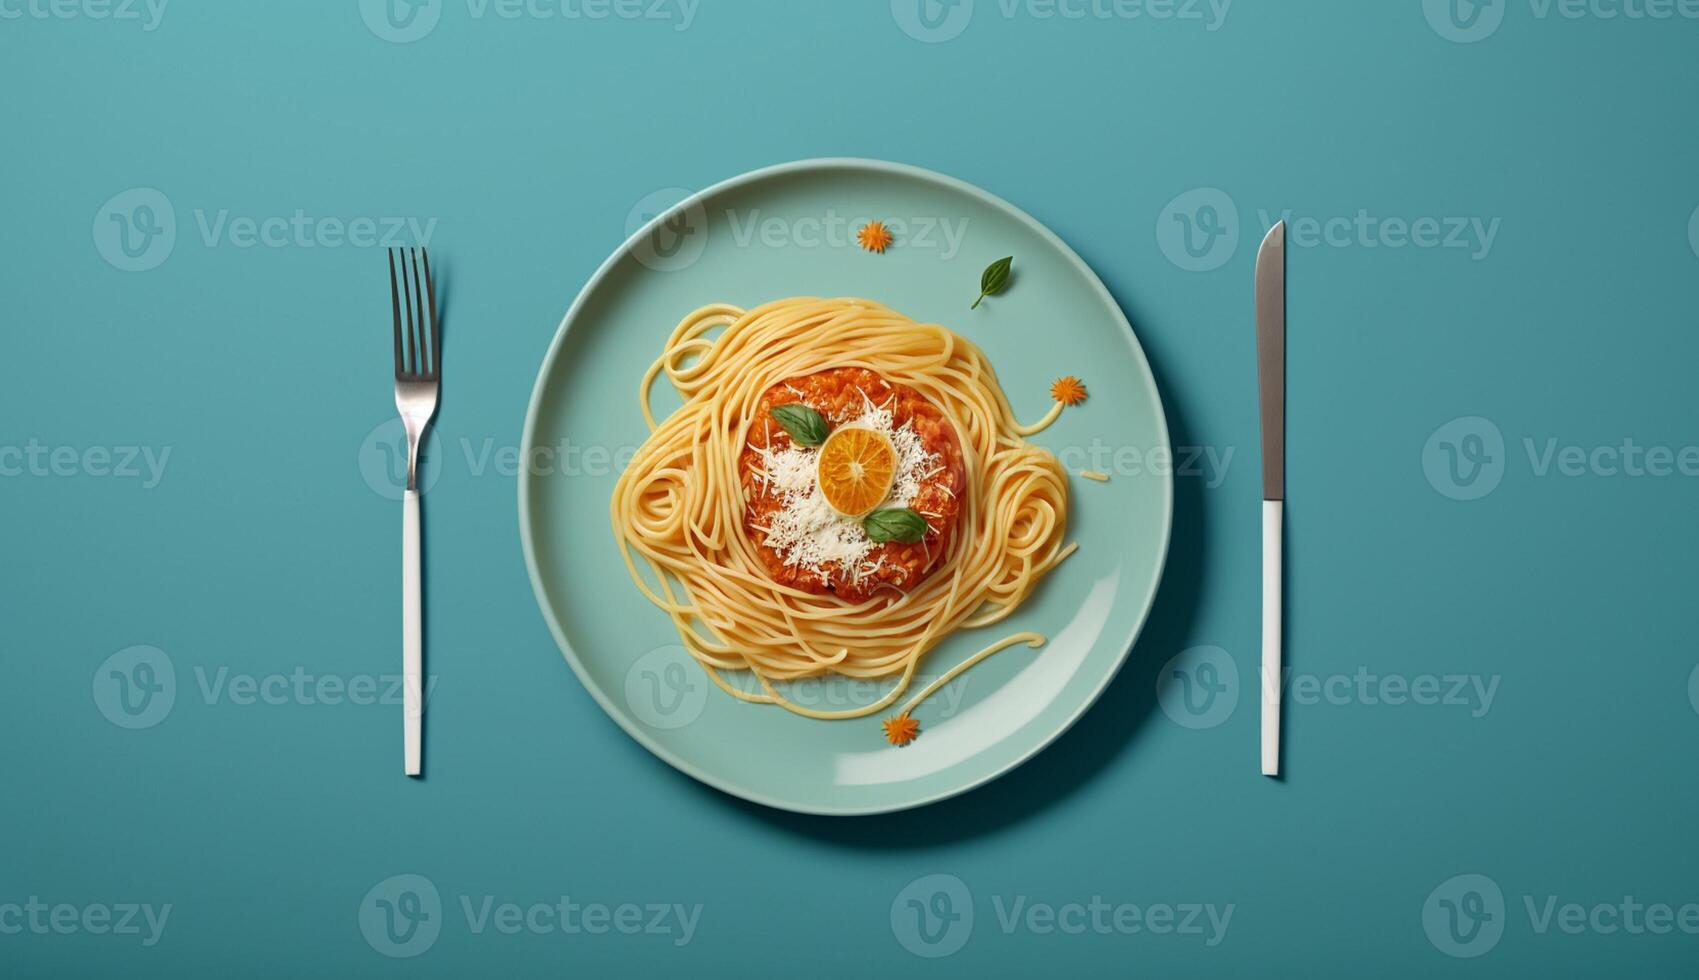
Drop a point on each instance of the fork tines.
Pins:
(418, 358)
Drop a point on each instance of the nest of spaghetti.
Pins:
(722, 505)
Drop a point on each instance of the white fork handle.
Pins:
(413, 704)
(1271, 521)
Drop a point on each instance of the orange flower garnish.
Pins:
(901, 730)
(874, 236)
(1069, 390)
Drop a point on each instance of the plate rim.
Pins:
(528, 436)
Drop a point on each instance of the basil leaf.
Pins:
(995, 277)
(804, 424)
(894, 524)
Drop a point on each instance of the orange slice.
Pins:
(856, 468)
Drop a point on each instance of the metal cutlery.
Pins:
(418, 367)
(1271, 386)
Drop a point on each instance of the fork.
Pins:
(418, 367)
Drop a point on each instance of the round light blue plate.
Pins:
(789, 231)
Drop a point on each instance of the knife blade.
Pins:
(1271, 393)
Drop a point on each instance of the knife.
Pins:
(1271, 386)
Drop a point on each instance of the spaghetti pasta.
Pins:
(679, 505)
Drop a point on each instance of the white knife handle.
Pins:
(413, 706)
(1271, 521)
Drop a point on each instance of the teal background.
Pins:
(263, 549)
